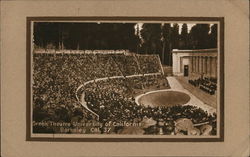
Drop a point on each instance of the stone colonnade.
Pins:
(206, 65)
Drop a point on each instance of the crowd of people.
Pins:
(112, 102)
(57, 76)
(128, 65)
(208, 85)
(149, 63)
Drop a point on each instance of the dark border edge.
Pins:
(28, 80)
(222, 79)
(29, 19)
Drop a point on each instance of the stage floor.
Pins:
(176, 86)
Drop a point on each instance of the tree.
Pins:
(184, 37)
(85, 35)
(137, 39)
(175, 36)
(213, 36)
(199, 36)
(151, 38)
(167, 44)
(45, 34)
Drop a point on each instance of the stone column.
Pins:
(205, 65)
(198, 64)
(202, 65)
(181, 67)
(194, 64)
(208, 66)
(191, 64)
(200, 71)
(216, 66)
(213, 66)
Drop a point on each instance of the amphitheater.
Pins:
(114, 85)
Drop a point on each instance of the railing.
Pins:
(54, 51)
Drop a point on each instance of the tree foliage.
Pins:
(200, 36)
(85, 36)
(183, 44)
(151, 38)
(213, 36)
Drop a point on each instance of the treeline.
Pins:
(82, 36)
(162, 38)
(149, 39)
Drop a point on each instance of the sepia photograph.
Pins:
(124, 78)
(113, 79)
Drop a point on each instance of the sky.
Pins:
(189, 25)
